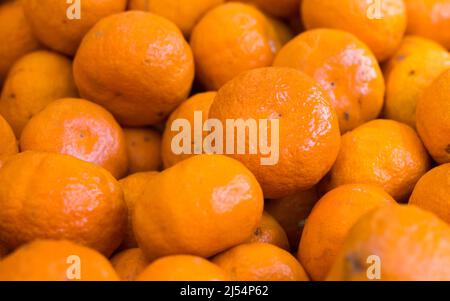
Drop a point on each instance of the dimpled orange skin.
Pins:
(230, 39)
(381, 152)
(15, 34)
(129, 263)
(309, 136)
(382, 35)
(430, 19)
(51, 25)
(53, 196)
(270, 231)
(184, 13)
(432, 192)
(410, 72)
(433, 120)
(133, 186)
(291, 212)
(47, 260)
(330, 221)
(8, 142)
(135, 64)
(412, 244)
(182, 268)
(260, 262)
(184, 211)
(143, 148)
(198, 103)
(277, 8)
(34, 81)
(345, 68)
(79, 128)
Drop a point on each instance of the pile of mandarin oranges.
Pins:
(93, 187)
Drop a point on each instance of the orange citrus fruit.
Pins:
(432, 192)
(308, 133)
(129, 263)
(133, 186)
(433, 120)
(135, 64)
(260, 262)
(201, 206)
(381, 152)
(409, 244)
(345, 67)
(416, 64)
(143, 148)
(186, 111)
(270, 231)
(230, 39)
(15, 34)
(79, 128)
(49, 260)
(182, 268)
(379, 24)
(34, 81)
(291, 212)
(53, 196)
(331, 219)
(430, 19)
(57, 23)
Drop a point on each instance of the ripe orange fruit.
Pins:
(330, 221)
(48, 260)
(33, 82)
(129, 263)
(201, 206)
(432, 192)
(410, 74)
(184, 13)
(411, 45)
(8, 143)
(381, 152)
(143, 148)
(260, 262)
(411, 245)
(51, 24)
(308, 133)
(79, 128)
(269, 231)
(15, 34)
(277, 8)
(433, 120)
(135, 64)
(182, 268)
(430, 19)
(346, 69)
(48, 195)
(133, 186)
(291, 212)
(230, 39)
(381, 28)
(198, 103)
